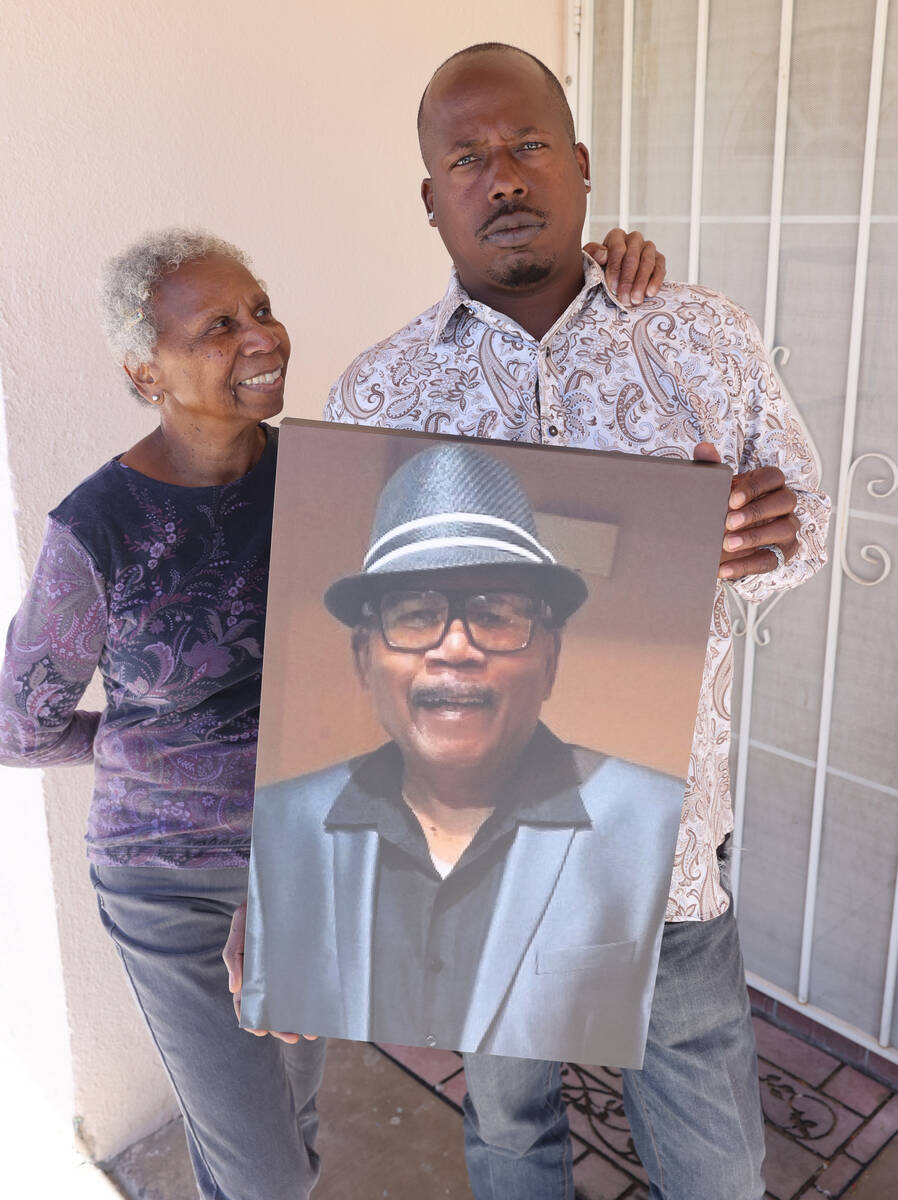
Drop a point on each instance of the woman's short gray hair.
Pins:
(130, 278)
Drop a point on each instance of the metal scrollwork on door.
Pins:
(871, 553)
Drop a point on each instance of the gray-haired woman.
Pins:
(155, 571)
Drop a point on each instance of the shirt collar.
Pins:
(456, 302)
(543, 791)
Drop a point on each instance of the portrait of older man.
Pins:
(476, 883)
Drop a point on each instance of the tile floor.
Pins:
(826, 1122)
(391, 1128)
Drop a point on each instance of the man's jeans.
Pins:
(694, 1108)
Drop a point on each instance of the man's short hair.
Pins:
(553, 81)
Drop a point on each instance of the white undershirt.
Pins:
(441, 865)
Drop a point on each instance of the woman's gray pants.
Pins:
(248, 1102)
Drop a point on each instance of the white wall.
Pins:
(33, 1027)
(287, 127)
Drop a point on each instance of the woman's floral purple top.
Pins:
(163, 588)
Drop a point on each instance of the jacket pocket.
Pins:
(585, 958)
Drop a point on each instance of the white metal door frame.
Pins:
(749, 620)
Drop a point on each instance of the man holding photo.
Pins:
(529, 343)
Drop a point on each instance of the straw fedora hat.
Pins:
(450, 507)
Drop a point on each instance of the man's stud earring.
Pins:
(430, 216)
(156, 397)
(587, 182)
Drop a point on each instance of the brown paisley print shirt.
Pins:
(686, 367)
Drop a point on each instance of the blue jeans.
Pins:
(694, 1107)
(248, 1103)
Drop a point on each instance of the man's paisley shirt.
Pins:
(685, 367)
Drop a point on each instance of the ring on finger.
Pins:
(780, 557)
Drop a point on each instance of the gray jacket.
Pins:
(571, 950)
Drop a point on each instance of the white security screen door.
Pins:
(757, 144)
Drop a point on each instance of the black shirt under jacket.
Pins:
(429, 932)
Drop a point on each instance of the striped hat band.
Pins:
(456, 529)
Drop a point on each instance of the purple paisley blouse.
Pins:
(163, 589)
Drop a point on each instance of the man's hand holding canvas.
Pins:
(762, 510)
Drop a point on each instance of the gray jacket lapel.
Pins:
(355, 874)
(531, 872)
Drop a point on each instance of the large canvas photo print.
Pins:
(482, 670)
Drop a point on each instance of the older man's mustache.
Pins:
(448, 695)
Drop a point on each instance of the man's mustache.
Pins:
(509, 210)
(450, 694)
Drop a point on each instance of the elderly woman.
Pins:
(154, 569)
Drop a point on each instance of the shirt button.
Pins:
(430, 1040)
(552, 431)
(435, 965)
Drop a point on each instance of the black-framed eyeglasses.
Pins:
(497, 622)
